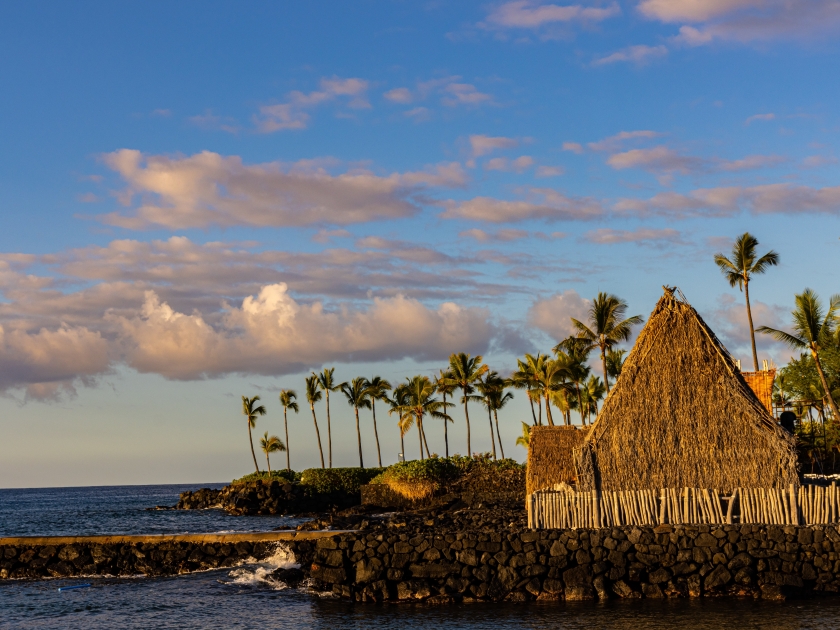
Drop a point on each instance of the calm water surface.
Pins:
(247, 597)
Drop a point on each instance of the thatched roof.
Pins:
(550, 456)
(681, 415)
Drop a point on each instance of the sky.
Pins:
(205, 200)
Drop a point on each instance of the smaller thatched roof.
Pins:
(550, 459)
(762, 385)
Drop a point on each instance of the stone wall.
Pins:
(771, 562)
(35, 558)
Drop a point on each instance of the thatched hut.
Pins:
(681, 415)
(762, 385)
(550, 456)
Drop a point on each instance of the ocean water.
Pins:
(248, 597)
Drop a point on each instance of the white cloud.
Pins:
(639, 55)
(613, 142)
(662, 159)
(816, 161)
(210, 189)
(518, 165)
(731, 200)
(293, 115)
(399, 95)
(757, 117)
(482, 145)
(550, 171)
(541, 203)
(506, 235)
(272, 333)
(47, 363)
(607, 236)
(464, 94)
(553, 315)
(745, 20)
(574, 147)
(531, 14)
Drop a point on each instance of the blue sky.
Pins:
(205, 200)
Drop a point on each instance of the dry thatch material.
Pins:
(550, 456)
(681, 415)
(762, 385)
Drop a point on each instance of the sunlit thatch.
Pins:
(681, 415)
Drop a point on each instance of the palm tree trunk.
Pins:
(831, 402)
(499, 435)
(539, 408)
(604, 365)
(533, 414)
(359, 436)
(268, 465)
(251, 440)
(492, 437)
(317, 433)
(548, 411)
(420, 437)
(580, 403)
(749, 318)
(467, 415)
(425, 443)
(286, 425)
(375, 432)
(445, 427)
(402, 444)
(329, 428)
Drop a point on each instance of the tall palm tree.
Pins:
(813, 328)
(357, 396)
(377, 389)
(313, 395)
(326, 382)
(466, 371)
(488, 386)
(524, 378)
(593, 393)
(498, 400)
(288, 398)
(552, 377)
(251, 410)
(606, 327)
(445, 387)
(739, 271)
(398, 404)
(271, 445)
(420, 402)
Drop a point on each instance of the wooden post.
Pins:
(730, 507)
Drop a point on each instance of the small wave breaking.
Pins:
(263, 573)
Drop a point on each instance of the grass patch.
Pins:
(330, 480)
(283, 476)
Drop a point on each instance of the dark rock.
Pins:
(290, 577)
(719, 577)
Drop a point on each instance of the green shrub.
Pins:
(328, 480)
(418, 479)
(283, 476)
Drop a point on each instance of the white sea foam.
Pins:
(258, 573)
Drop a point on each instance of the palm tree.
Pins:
(270, 445)
(288, 398)
(552, 377)
(466, 371)
(739, 271)
(251, 410)
(398, 404)
(377, 389)
(525, 438)
(813, 330)
(488, 386)
(606, 327)
(419, 402)
(593, 392)
(524, 378)
(498, 400)
(615, 363)
(357, 396)
(327, 383)
(313, 395)
(445, 387)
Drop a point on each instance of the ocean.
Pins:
(247, 597)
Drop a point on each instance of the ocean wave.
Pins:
(261, 573)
